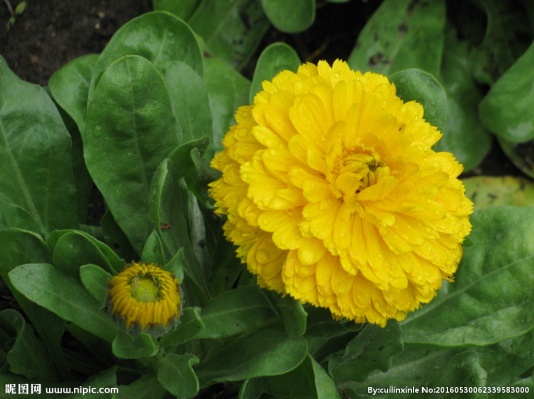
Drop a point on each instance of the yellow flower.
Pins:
(146, 298)
(335, 196)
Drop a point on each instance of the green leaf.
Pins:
(463, 134)
(290, 16)
(506, 110)
(520, 154)
(40, 283)
(308, 381)
(115, 237)
(401, 34)
(130, 130)
(491, 299)
(231, 30)
(18, 247)
(189, 101)
(36, 183)
(104, 379)
(153, 251)
(290, 312)
(265, 353)
(371, 349)
(128, 346)
(27, 355)
(182, 9)
(233, 312)
(417, 85)
(159, 37)
(73, 248)
(507, 35)
(488, 191)
(69, 86)
(146, 387)
(168, 204)
(176, 374)
(95, 280)
(274, 58)
(227, 90)
(190, 326)
(422, 370)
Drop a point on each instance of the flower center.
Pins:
(353, 173)
(145, 288)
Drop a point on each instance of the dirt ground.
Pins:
(50, 33)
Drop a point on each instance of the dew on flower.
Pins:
(361, 199)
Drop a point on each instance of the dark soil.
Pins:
(50, 33)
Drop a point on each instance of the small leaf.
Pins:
(73, 248)
(506, 109)
(290, 16)
(401, 34)
(95, 280)
(290, 311)
(231, 30)
(415, 84)
(265, 353)
(45, 285)
(27, 355)
(190, 326)
(273, 59)
(176, 374)
(128, 346)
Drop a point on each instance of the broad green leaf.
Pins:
(274, 58)
(463, 134)
(328, 336)
(146, 387)
(37, 189)
(507, 35)
(130, 130)
(233, 312)
(308, 381)
(158, 36)
(231, 29)
(104, 379)
(488, 191)
(69, 86)
(290, 16)
(176, 265)
(401, 34)
(264, 353)
(95, 280)
(27, 355)
(168, 204)
(73, 248)
(45, 285)
(371, 349)
(189, 101)
(182, 9)
(290, 312)
(417, 85)
(420, 371)
(227, 90)
(190, 326)
(492, 297)
(128, 346)
(507, 109)
(18, 247)
(176, 374)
